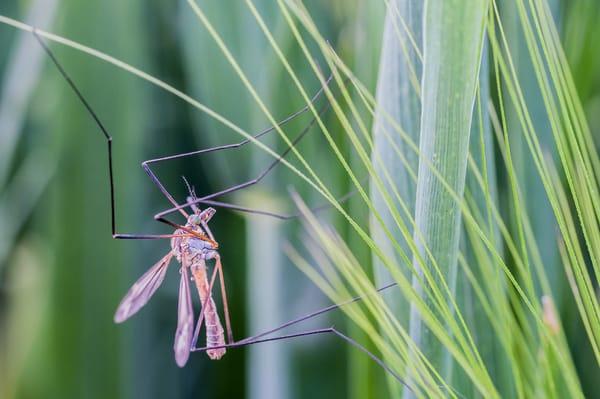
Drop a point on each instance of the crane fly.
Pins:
(191, 245)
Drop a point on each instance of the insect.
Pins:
(193, 244)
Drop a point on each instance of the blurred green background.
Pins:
(61, 274)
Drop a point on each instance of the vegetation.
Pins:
(460, 127)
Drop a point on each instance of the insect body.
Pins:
(192, 245)
(193, 253)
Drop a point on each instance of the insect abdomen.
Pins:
(214, 330)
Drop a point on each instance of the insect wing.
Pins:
(185, 320)
(141, 291)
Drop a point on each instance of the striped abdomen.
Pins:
(214, 329)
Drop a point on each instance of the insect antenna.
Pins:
(192, 196)
(190, 189)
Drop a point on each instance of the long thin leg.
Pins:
(281, 216)
(250, 182)
(313, 314)
(154, 178)
(329, 330)
(109, 140)
(145, 164)
(219, 267)
(259, 338)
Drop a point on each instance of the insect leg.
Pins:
(109, 141)
(290, 323)
(146, 164)
(208, 199)
(250, 182)
(281, 216)
(321, 331)
(314, 314)
(219, 267)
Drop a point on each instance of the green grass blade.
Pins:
(481, 194)
(21, 76)
(364, 378)
(533, 200)
(450, 73)
(397, 97)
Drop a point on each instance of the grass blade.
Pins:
(21, 77)
(398, 96)
(450, 73)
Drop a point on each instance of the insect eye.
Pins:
(194, 219)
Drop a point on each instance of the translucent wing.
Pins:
(185, 320)
(141, 291)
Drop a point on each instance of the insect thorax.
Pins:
(191, 246)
